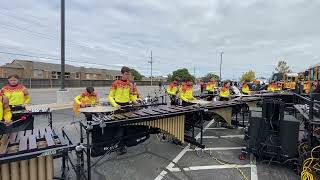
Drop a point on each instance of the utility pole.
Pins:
(221, 65)
(62, 44)
(151, 62)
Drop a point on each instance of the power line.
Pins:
(58, 59)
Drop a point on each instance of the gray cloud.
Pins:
(253, 34)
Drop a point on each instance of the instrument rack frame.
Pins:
(56, 152)
(86, 128)
(308, 117)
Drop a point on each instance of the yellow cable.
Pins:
(222, 163)
(306, 170)
(317, 129)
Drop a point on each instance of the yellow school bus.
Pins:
(309, 76)
(290, 80)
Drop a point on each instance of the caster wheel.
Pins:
(242, 157)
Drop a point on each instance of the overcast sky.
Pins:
(253, 34)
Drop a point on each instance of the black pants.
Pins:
(88, 116)
(210, 96)
(224, 99)
(184, 103)
(173, 100)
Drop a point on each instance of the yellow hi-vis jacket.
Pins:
(224, 92)
(172, 89)
(120, 93)
(84, 99)
(245, 89)
(5, 112)
(272, 88)
(210, 86)
(186, 93)
(17, 95)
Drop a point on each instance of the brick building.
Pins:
(41, 70)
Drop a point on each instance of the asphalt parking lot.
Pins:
(157, 160)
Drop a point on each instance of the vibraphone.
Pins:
(28, 155)
(167, 119)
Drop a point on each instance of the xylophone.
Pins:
(107, 130)
(28, 155)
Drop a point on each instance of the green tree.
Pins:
(207, 77)
(181, 74)
(136, 75)
(282, 67)
(248, 76)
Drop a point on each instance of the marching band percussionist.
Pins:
(86, 99)
(172, 90)
(17, 94)
(224, 93)
(5, 112)
(272, 87)
(120, 92)
(18, 97)
(211, 85)
(186, 93)
(120, 95)
(245, 88)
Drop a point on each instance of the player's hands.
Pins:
(8, 123)
(118, 107)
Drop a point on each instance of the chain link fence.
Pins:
(55, 83)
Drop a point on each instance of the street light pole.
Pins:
(151, 62)
(62, 44)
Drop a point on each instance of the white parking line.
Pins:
(254, 174)
(179, 156)
(197, 168)
(217, 149)
(221, 128)
(228, 136)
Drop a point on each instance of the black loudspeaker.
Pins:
(273, 112)
(289, 135)
(256, 129)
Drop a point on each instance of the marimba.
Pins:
(28, 155)
(137, 124)
(251, 101)
(225, 109)
(169, 119)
